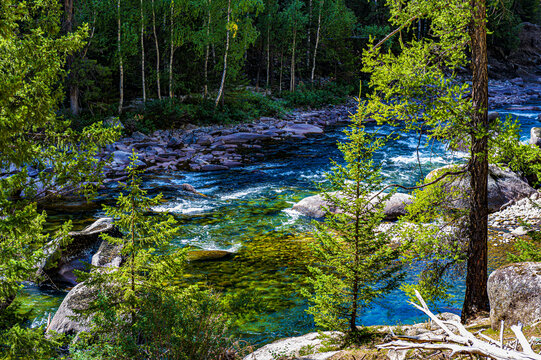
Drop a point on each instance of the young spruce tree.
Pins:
(354, 262)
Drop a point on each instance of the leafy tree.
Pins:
(143, 308)
(33, 139)
(418, 86)
(355, 262)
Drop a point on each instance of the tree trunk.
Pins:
(171, 52)
(268, 50)
(207, 50)
(222, 84)
(157, 52)
(143, 54)
(73, 88)
(121, 68)
(476, 299)
(317, 42)
(281, 70)
(308, 34)
(292, 77)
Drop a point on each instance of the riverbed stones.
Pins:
(296, 347)
(514, 292)
(314, 206)
(535, 135)
(504, 187)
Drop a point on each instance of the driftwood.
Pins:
(462, 341)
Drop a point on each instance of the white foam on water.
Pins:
(183, 207)
(423, 159)
(243, 193)
(292, 216)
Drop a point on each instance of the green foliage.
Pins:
(527, 249)
(329, 94)
(143, 308)
(510, 151)
(354, 262)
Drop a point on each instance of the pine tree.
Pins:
(354, 262)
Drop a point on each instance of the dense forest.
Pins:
(208, 53)
(195, 179)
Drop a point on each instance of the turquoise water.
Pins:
(248, 211)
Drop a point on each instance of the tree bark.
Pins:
(207, 50)
(268, 50)
(308, 34)
(121, 69)
(224, 73)
(317, 42)
(73, 88)
(157, 52)
(143, 53)
(281, 70)
(476, 299)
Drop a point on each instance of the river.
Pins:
(248, 211)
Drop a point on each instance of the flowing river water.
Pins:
(247, 211)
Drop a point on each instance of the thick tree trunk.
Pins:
(74, 99)
(476, 299)
(159, 88)
(207, 50)
(121, 68)
(171, 53)
(73, 88)
(292, 77)
(143, 54)
(224, 73)
(317, 42)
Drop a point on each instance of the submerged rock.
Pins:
(209, 255)
(514, 292)
(292, 347)
(313, 206)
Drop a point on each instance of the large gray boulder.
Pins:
(514, 292)
(295, 347)
(240, 137)
(535, 135)
(313, 206)
(504, 187)
(303, 129)
(66, 320)
(60, 262)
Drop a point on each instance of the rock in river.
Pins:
(312, 206)
(535, 135)
(504, 187)
(514, 292)
(209, 255)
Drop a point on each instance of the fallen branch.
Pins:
(462, 343)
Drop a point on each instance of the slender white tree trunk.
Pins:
(309, 33)
(281, 70)
(292, 77)
(143, 54)
(225, 56)
(171, 52)
(157, 51)
(268, 51)
(121, 68)
(207, 50)
(317, 42)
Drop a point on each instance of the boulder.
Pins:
(60, 262)
(123, 158)
(504, 187)
(312, 206)
(303, 129)
(295, 347)
(65, 320)
(535, 135)
(240, 137)
(107, 256)
(514, 292)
